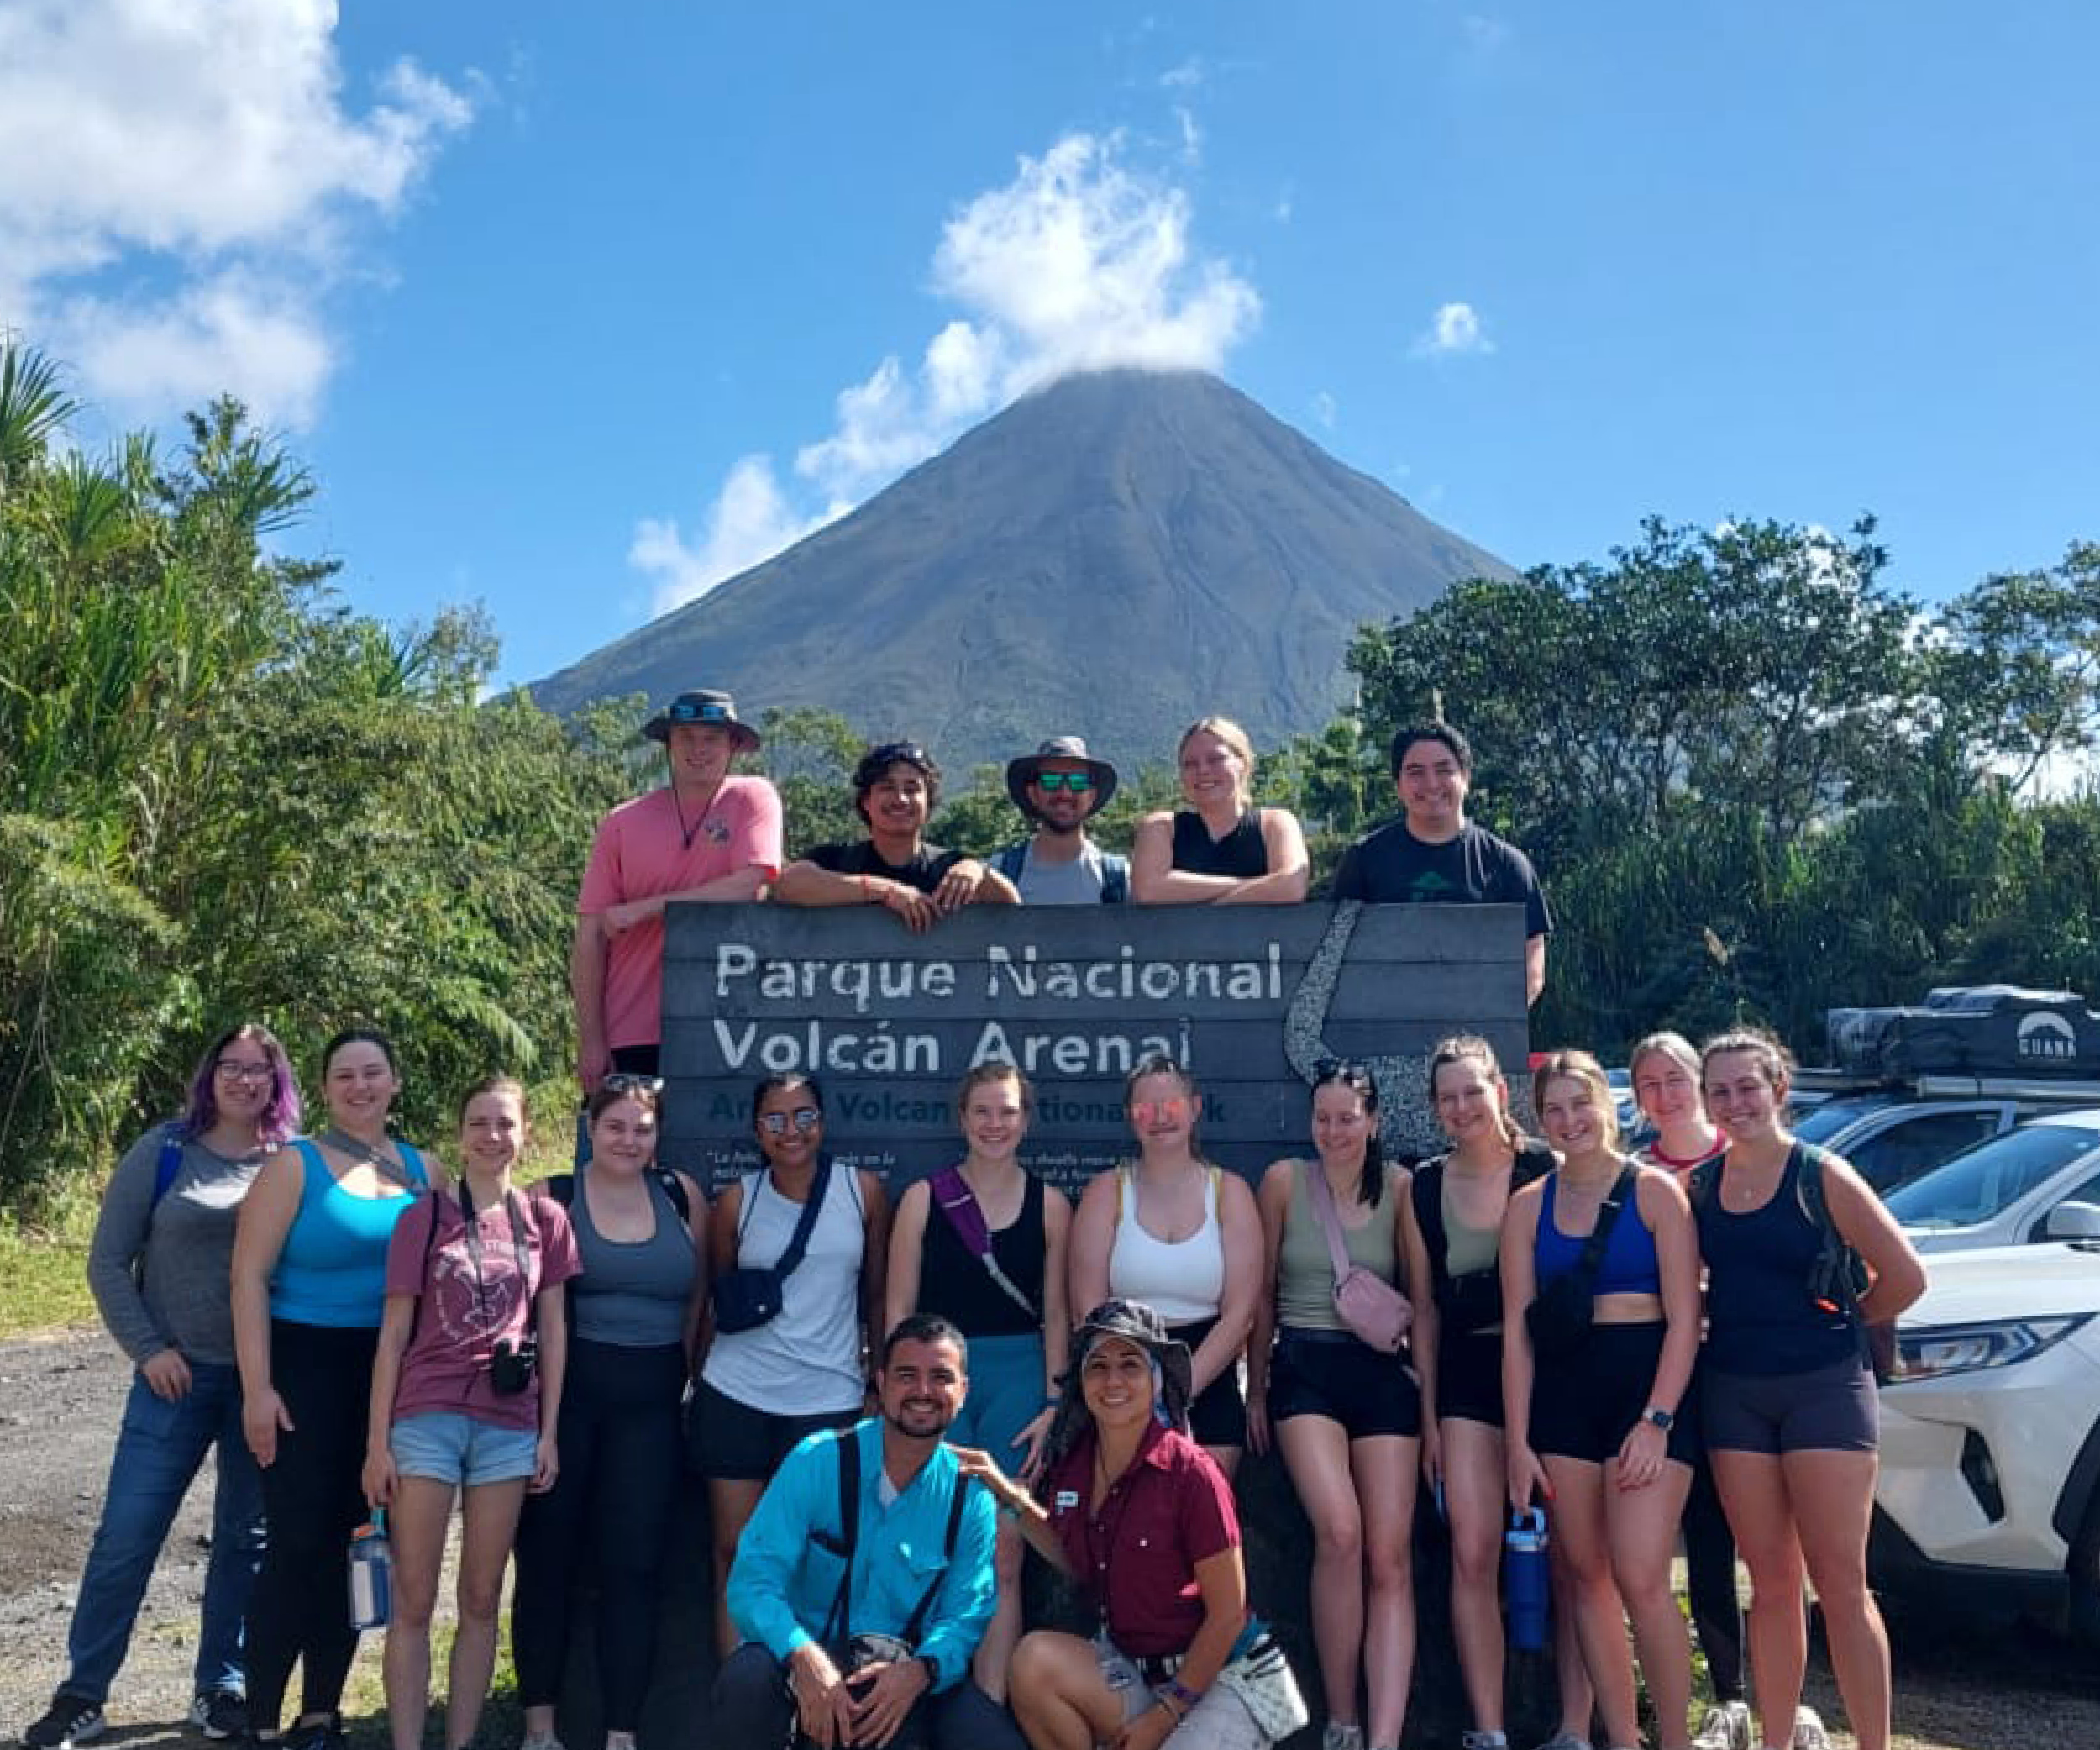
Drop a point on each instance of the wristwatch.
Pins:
(933, 1668)
(1663, 1419)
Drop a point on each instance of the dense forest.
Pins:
(1757, 779)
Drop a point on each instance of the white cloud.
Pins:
(198, 159)
(1187, 76)
(1079, 263)
(1325, 409)
(750, 520)
(1191, 135)
(1454, 329)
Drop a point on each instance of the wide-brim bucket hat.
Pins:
(702, 706)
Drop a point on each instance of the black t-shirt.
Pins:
(924, 871)
(1392, 867)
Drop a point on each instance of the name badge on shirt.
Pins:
(1064, 1499)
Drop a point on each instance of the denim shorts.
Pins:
(448, 1447)
(1219, 1721)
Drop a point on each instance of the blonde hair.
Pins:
(1674, 1046)
(1233, 736)
(1472, 1048)
(1579, 1066)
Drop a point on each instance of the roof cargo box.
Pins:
(1988, 1030)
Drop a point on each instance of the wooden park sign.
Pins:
(1249, 998)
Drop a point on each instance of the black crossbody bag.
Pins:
(749, 1296)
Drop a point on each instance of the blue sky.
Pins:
(578, 309)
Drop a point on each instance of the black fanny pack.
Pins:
(750, 1295)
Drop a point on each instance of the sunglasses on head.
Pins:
(890, 752)
(689, 710)
(805, 1118)
(1078, 783)
(620, 1081)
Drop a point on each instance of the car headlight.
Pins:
(1933, 1351)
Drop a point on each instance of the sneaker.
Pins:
(1338, 1737)
(546, 1741)
(325, 1734)
(1726, 1728)
(1483, 1740)
(68, 1719)
(1807, 1730)
(219, 1714)
(1565, 1741)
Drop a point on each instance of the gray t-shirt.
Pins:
(1079, 882)
(187, 1242)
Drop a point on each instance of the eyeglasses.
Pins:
(805, 1118)
(621, 1082)
(227, 1069)
(1153, 1112)
(1078, 783)
(689, 711)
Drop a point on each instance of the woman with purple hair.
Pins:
(160, 1267)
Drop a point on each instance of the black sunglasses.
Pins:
(890, 752)
(621, 1082)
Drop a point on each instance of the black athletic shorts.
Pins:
(1336, 1375)
(1585, 1406)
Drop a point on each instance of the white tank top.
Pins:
(1182, 1282)
(805, 1360)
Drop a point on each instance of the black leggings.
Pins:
(313, 1498)
(1709, 1568)
(612, 1499)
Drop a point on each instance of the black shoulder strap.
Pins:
(675, 1189)
(559, 1186)
(1428, 1193)
(1592, 1258)
(914, 1624)
(1700, 1183)
(837, 1620)
(806, 1222)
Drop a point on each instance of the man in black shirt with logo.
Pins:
(896, 788)
(1434, 855)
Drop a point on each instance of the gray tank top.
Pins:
(632, 1294)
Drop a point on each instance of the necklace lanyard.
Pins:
(474, 1246)
(690, 833)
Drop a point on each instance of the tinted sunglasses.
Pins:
(622, 1082)
(805, 1118)
(1078, 783)
(1147, 1112)
(689, 710)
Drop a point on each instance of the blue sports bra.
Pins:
(1628, 1265)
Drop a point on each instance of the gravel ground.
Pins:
(1958, 1687)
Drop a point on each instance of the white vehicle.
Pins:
(2038, 1182)
(1990, 1452)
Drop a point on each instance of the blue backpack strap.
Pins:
(169, 1164)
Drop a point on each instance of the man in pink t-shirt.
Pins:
(708, 835)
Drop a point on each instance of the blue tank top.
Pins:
(1759, 1319)
(1628, 1265)
(333, 1268)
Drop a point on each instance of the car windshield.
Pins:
(1988, 1178)
(1820, 1123)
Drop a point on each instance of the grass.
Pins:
(44, 1269)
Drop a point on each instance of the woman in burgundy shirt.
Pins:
(1141, 1520)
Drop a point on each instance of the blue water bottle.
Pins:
(371, 1573)
(1525, 1593)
